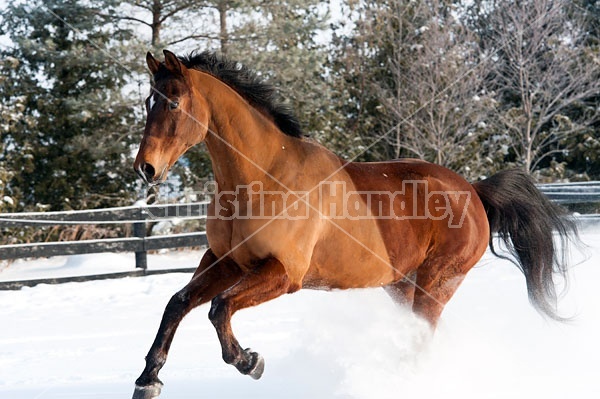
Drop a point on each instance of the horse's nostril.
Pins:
(149, 171)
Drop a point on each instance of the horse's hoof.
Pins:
(257, 366)
(148, 391)
(258, 369)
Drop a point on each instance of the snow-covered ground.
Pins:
(88, 340)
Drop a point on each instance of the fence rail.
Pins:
(140, 243)
(572, 193)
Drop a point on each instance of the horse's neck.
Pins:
(244, 145)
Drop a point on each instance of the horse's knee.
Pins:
(178, 304)
(180, 300)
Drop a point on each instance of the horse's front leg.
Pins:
(263, 284)
(211, 278)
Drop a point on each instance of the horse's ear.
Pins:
(172, 63)
(152, 62)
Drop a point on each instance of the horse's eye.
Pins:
(173, 104)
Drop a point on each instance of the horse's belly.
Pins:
(348, 263)
(347, 275)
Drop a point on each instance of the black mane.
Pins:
(258, 93)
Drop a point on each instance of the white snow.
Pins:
(88, 340)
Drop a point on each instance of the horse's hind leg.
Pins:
(436, 282)
(211, 278)
(403, 291)
(267, 282)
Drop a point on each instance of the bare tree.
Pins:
(544, 76)
(172, 22)
(433, 94)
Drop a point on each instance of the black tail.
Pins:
(525, 220)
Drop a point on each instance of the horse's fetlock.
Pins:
(230, 358)
(146, 380)
(232, 355)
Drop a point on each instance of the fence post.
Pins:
(139, 231)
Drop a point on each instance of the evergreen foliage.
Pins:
(68, 139)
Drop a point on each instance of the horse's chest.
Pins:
(244, 241)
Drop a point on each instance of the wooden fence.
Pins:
(140, 243)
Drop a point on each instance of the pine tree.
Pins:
(280, 43)
(70, 146)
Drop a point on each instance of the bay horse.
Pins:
(289, 214)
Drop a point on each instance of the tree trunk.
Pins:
(156, 22)
(223, 34)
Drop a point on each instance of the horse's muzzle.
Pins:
(148, 174)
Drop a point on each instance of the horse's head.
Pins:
(177, 118)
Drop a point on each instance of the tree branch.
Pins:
(179, 9)
(190, 37)
(136, 20)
